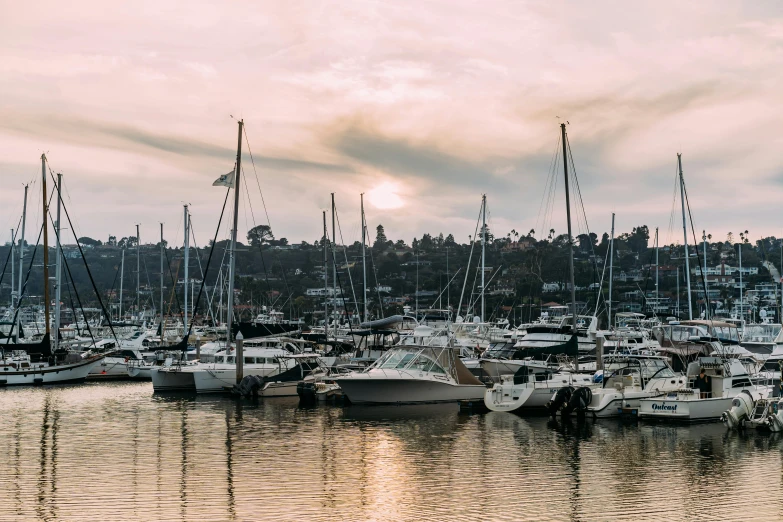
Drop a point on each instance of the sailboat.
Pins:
(530, 387)
(37, 363)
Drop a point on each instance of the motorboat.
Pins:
(413, 374)
(728, 378)
(530, 391)
(628, 378)
(545, 335)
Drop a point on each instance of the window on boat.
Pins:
(741, 382)
(425, 364)
(772, 366)
(393, 359)
(250, 360)
(230, 359)
(405, 361)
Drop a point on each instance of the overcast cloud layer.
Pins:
(437, 102)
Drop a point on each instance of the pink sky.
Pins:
(421, 105)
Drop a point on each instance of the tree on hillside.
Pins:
(259, 235)
(112, 241)
(380, 238)
(89, 241)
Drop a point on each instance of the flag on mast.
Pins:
(226, 180)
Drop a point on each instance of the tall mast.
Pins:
(326, 282)
(570, 236)
(685, 235)
(364, 261)
(334, 258)
(138, 274)
(483, 247)
(13, 269)
(185, 288)
(417, 283)
(21, 266)
(742, 288)
(611, 268)
(707, 308)
(678, 292)
(45, 242)
(162, 255)
(58, 267)
(232, 258)
(122, 276)
(656, 270)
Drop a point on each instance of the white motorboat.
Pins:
(627, 379)
(532, 391)
(410, 375)
(728, 378)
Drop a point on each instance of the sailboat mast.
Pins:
(334, 258)
(483, 247)
(138, 274)
(186, 254)
(685, 235)
(122, 276)
(707, 308)
(21, 266)
(232, 257)
(45, 241)
(58, 267)
(611, 268)
(326, 282)
(13, 270)
(364, 261)
(656, 269)
(162, 255)
(742, 288)
(570, 235)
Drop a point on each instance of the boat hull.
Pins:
(406, 391)
(172, 379)
(222, 380)
(63, 373)
(688, 410)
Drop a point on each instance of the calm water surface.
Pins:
(115, 452)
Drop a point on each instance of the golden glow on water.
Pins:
(114, 452)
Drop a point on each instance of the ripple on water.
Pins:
(113, 451)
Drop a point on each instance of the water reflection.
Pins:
(115, 452)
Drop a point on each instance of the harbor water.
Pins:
(117, 452)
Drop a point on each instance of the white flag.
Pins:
(226, 180)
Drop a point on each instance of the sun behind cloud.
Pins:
(385, 196)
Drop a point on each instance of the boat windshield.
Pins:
(761, 333)
(726, 333)
(412, 360)
(656, 367)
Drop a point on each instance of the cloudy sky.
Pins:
(423, 106)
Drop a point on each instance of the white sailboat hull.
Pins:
(172, 379)
(48, 374)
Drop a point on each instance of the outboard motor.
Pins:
(559, 399)
(775, 417)
(579, 401)
(741, 406)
